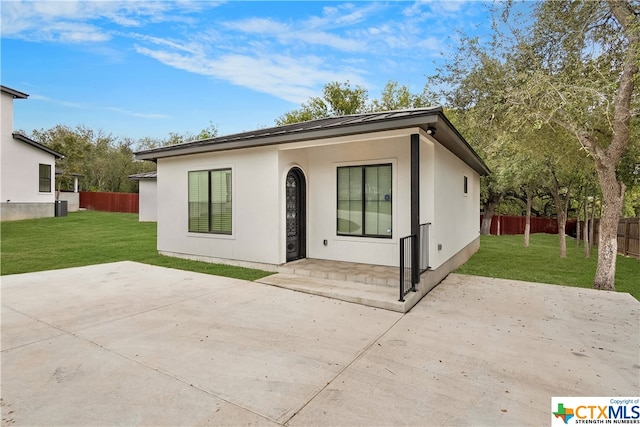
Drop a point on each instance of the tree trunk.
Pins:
(592, 220)
(586, 239)
(489, 211)
(562, 206)
(612, 198)
(562, 224)
(527, 221)
(607, 158)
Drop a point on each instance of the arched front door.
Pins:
(295, 215)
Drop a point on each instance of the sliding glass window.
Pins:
(210, 202)
(364, 201)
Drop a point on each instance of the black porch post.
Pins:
(415, 207)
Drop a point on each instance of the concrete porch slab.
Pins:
(384, 297)
(342, 271)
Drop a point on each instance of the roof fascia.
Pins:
(449, 137)
(13, 92)
(322, 133)
(22, 138)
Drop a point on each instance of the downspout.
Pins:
(415, 207)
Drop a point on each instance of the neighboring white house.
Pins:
(147, 196)
(27, 177)
(341, 188)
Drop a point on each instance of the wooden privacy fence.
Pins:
(628, 236)
(515, 225)
(109, 202)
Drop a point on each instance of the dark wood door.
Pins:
(295, 215)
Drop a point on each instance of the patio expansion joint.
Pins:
(358, 356)
(176, 378)
(62, 331)
(159, 307)
(75, 334)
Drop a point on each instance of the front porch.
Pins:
(368, 274)
(365, 284)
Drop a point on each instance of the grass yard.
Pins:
(505, 257)
(90, 237)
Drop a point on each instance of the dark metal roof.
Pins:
(22, 138)
(144, 175)
(13, 92)
(332, 127)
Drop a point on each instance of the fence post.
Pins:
(627, 232)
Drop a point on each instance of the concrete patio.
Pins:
(133, 344)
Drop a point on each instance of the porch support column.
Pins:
(415, 206)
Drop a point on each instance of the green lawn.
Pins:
(90, 237)
(506, 257)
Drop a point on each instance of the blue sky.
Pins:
(138, 68)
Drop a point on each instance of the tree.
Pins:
(568, 65)
(338, 99)
(577, 68)
(104, 161)
(397, 97)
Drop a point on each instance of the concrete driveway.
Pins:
(133, 344)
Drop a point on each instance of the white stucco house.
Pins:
(147, 196)
(341, 188)
(27, 177)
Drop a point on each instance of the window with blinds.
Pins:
(210, 201)
(44, 182)
(364, 201)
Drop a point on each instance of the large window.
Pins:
(364, 201)
(44, 172)
(210, 204)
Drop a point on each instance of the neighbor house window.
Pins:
(210, 201)
(466, 185)
(45, 178)
(364, 201)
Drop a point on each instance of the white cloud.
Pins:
(153, 116)
(57, 101)
(294, 79)
(68, 104)
(189, 47)
(258, 26)
(44, 20)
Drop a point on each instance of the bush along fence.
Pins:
(628, 236)
(109, 202)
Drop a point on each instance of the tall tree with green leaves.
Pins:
(570, 65)
(398, 97)
(577, 67)
(338, 99)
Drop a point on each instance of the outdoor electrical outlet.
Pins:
(439, 246)
(325, 242)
